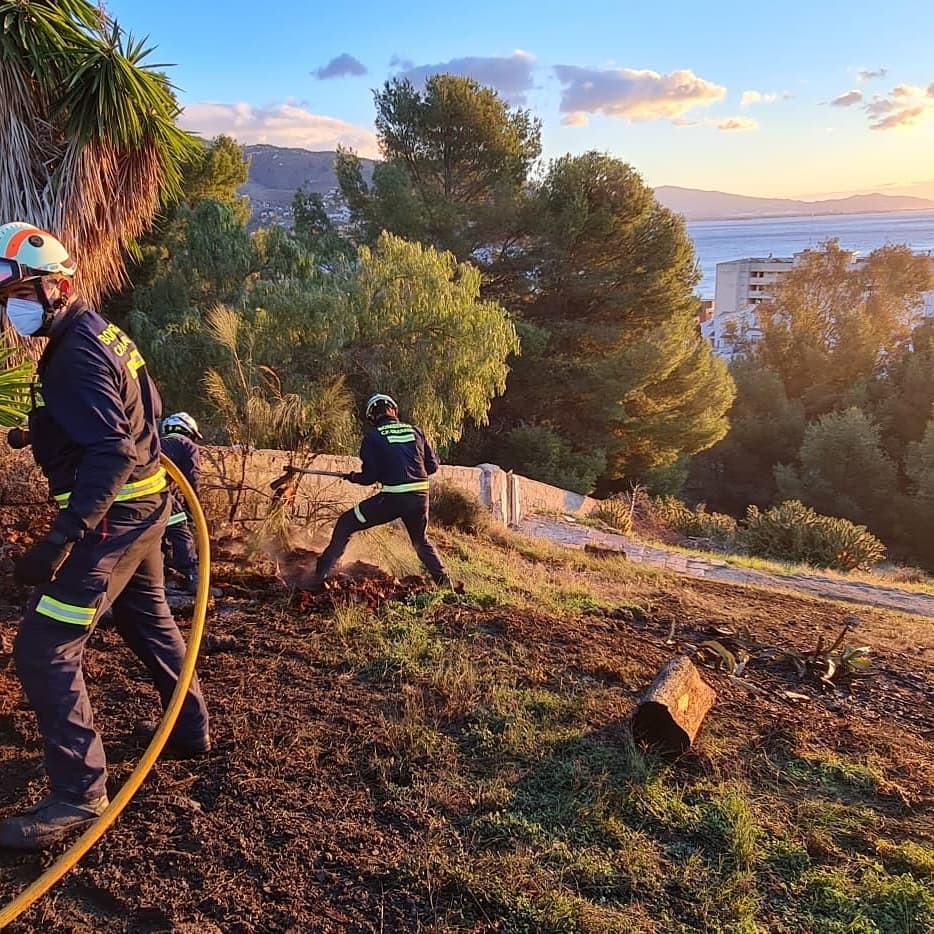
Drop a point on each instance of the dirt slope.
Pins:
(362, 754)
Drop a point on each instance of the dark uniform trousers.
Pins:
(411, 508)
(180, 551)
(119, 564)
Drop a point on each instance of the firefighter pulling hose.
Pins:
(93, 429)
(72, 856)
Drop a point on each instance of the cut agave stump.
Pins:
(674, 707)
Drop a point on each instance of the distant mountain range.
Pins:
(697, 205)
(276, 173)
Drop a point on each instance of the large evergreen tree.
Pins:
(624, 368)
(843, 471)
(456, 161)
(766, 428)
(919, 467)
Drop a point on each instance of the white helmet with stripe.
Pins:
(36, 250)
(181, 423)
(378, 405)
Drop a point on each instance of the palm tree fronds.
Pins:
(89, 148)
(15, 380)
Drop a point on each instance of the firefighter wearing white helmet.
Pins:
(35, 277)
(181, 423)
(378, 405)
(396, 455)
(94, 433)
(179, 435)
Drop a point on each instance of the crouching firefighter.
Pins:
(179, 436)
(397, 456)
(94, 433)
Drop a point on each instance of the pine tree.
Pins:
(627, 368)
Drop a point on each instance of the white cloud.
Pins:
(867, 74)
(340, 67)
(904, 106)
(510, 75)
(758, 97)
(634, 95)
(574, 119)
(847, 99)
(903, 91)
(278, 125)
(738, 124)
(901, 117)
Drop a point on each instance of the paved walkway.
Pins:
(574, 535)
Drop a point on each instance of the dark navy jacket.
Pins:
(93, 425)
(184, 453)
(396, 455)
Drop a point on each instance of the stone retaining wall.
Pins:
(236, 485)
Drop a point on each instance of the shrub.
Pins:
(616, 512)
(792, 531)
(903, 574)
(454, 508)
(671, 513)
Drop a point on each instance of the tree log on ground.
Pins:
(672, 710)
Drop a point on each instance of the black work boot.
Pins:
(316, 581)
(48, 822)
(175, 748)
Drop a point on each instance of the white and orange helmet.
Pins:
(31, 253)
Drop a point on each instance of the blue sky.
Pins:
(799, 98)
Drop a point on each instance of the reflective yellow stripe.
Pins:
(177, 518)
(135, 490)
(416, 487)
(358, 514)
(146, 487)
(66, 612)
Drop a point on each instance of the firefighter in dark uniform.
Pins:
(179, 435)
(397, 456)
(94, 432)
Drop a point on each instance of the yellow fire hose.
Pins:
(73, 854)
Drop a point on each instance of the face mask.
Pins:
(25, 316)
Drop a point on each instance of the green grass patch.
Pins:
(534, 812)
(834, 774)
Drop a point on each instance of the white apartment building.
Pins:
(741, 285)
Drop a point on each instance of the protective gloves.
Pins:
(40, 564)
(18, 438)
